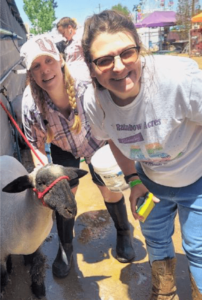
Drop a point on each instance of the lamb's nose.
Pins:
(72, 211)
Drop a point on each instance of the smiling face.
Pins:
(47, 73)
(123, 79)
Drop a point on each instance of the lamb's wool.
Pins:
(23, 216)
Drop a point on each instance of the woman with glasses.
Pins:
(52, 111)
(150, 110)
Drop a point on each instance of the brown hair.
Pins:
(109, 21)
(39, 98)
(66, 21)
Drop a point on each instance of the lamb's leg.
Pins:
(28, 259)
(4, 275)
(9, 264)
(37, 272)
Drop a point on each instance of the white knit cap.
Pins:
(37, 46)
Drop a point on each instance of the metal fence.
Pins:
(12, 36)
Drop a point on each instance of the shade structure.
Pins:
(197, 18)
(158, 19)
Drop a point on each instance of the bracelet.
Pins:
(127, 177)
(134, 183)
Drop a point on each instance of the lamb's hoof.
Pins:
(38, 290)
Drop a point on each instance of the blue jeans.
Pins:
(159, 226)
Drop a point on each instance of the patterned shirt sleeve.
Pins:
(33, 124)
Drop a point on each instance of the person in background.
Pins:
(61, 45)
(149, 108)
(73, 51)
(52, 112)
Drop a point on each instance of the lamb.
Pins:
(27, 220)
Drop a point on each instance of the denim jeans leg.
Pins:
(159, 226)
(190, 216)
(188, 201)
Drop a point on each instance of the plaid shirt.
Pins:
(83, 144)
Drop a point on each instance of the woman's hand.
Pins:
(138, 191)
(128, 168)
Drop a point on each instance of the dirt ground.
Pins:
(95, 273)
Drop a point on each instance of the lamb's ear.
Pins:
(80, 172)
(18, 185)
(74, 173)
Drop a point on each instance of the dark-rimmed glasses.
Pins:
(129, 55)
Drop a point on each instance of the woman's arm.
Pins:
(32, 120)
(128, 167)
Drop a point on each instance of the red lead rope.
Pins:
(20, 131)
(40, 195)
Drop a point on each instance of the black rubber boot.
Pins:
(124, 249)
(62, 263)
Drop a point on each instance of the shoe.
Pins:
(124, 248)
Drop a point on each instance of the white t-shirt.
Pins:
(75, 59)
(162, 127)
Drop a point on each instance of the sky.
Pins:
(79, 10)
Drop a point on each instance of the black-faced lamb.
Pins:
(27, 220)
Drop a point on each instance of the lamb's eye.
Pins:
(41, 182)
